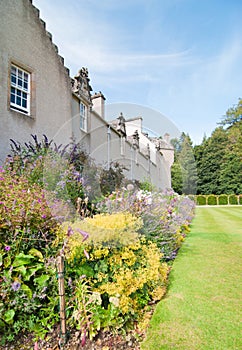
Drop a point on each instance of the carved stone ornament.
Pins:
(135, 137)
(80, 84)
(148, 150)
(121, 125)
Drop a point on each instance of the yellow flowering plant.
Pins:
(121, 267)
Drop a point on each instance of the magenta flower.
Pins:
(7, 248)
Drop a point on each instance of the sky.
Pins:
(178, 59)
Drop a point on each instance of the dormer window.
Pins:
(83, 116)
(20, 90)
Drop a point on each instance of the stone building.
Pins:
(38, 96)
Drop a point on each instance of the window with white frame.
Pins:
(20, 89)
(83, 116)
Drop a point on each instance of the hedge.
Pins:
(212, 199)
(201, 199)
(222, 199)
(233, 199)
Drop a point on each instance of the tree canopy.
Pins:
(218, 159)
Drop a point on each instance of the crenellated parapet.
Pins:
(49, 36)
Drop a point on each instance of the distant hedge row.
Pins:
(222, 199)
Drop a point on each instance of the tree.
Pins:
(176, 177)
(231, 168)
(184, 172)
(233, 115)
(209, 160)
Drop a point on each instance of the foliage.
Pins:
(209, 167)
(176, 177)
(165, 215)
(114, 260)
(240, 199)
(201, 199)
(25, 214)
(223, 199)
(66, 171)
(212, 199)
(233, 115)
(28, 291)
(184, 172)
(219, 157)
(231, 168)
(233, 199)
(111, 230)
(123, 279)
(111, 179)
(28, 223)
(147, 186)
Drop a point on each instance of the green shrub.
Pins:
(223, 199)
(233, 199)
(240, 199)
(120, 280)
(201, 199)
(28, 290)
(25, 214)
(212, 199)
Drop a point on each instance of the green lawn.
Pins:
(202, 309)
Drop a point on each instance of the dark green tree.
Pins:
(231, 168)
(176, 177)
(209, 161)
(184, 172)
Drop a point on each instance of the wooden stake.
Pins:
(61, 284)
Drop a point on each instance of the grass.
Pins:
(202, 309)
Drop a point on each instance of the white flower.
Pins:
(114, 301)
(130, 187)
(96, 298)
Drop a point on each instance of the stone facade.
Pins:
(25, 43)
(37, 96)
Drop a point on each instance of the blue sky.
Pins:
(179, 57)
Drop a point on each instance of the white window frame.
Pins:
(20, 88)
(83, 116)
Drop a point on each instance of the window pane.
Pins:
(24, 103)
(18, 102)
(13, 70)
(12, 98)
(13, 79)
(20, 82)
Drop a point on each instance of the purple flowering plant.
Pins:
(166, 215)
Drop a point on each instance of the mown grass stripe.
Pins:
(202, 308)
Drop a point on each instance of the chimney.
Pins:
(167, 138)
(98, 104)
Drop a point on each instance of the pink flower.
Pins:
(86, 254)
(84, 234)
(7, 248)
